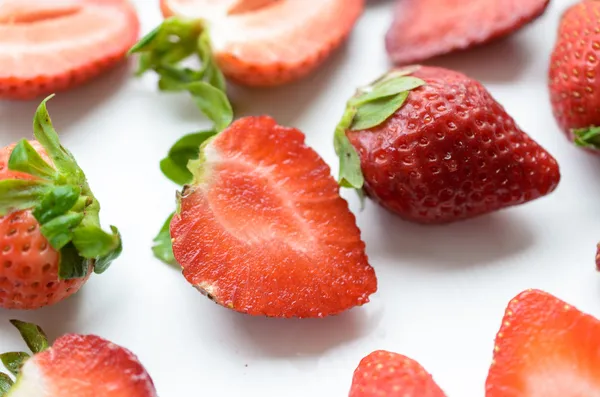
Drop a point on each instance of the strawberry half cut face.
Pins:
(263, 230)
(52, 45)
(545, 347)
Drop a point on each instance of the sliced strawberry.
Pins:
(383, 373)
(423, 29)
(75, 366)
(270, 42)
(262, 230)
(53, 45)
(545, 347)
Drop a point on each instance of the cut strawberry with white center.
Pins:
(263, 230)
(545, 348)
(74, 366)
(47, 46)
(270, 42)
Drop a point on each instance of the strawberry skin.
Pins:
(545, 347)
(386, 374)
(451, 152)
(28, 264)
(262, 229)
(423, 29)
(573, 80)
(55, 46)
(247, 41)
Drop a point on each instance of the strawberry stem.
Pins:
(587, 137)
(33, 335)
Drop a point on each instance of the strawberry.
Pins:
(433, 146)
(573, 82)
(54, 45)
(387, 374)
(74, 366)
(50, 237)
(545, 347)
(423, 29)
(262, 229)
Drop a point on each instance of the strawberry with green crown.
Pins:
(50, 234)
(433, 146)
(74, 366)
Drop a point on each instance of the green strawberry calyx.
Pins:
(369, 107)
(176, 40)
(61, 201)
(587, 137)
(36, 341)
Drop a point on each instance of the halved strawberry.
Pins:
(545, 347)
(263, 230)
(270, 42)
(423, 29)
(74, 366)
(53, 45)
(386, 374)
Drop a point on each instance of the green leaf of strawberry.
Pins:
(60, 200)
(5, 384)
(13, 361)
(174, 41)
(163, 245)
(174, 166)
(34, 336)
(587, 137)
(370, 107)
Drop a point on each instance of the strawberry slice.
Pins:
(545, 347)
(383, 373)
(268, 42)
(262, 229)
(53, 45)
(74, 366)
(423, 29)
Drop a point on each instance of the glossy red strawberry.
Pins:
(433, 146)
(50, 239)
(423, 29)
(74, 366)
(545, 347)
(573, 80)
(383, 373)
(263, 230)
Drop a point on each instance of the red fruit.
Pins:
(545, 347)
(267, 42)
(82, 366)
(42, 264)
(574, 88)
(387, 374)
(28, 264)
(262, 230)
(51, 46)
(423, 29)
(449, 152)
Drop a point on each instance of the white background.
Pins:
(442, 290)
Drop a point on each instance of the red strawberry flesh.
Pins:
(264, 231)
(386, 374)
(545, 347)
(423, 29)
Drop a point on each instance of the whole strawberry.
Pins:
(433, 146)
(383, 373)
(573, 77)
(50, 235)
(74, 366)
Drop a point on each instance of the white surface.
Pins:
(442, 290)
